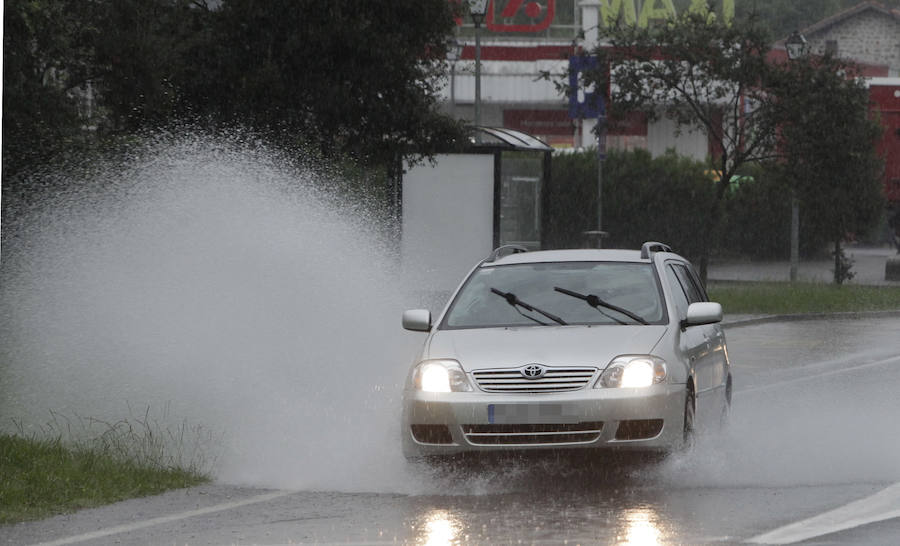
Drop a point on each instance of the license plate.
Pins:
(503, 414)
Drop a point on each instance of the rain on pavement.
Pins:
(813, 430)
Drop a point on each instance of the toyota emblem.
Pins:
(533, 371)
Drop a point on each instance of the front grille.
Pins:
(512, 380)
(533, 434)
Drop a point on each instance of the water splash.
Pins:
(218, 280)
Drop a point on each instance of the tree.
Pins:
(827, 143)
(343, 79)
(47, 62)
(348, 78)
(143, 53)
(703, 74)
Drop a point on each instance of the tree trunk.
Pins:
(712, 227)
(838, 263)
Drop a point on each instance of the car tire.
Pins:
(690, 424)
(725, 418)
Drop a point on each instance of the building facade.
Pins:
(867, 33)
(525, 51)
(526, 46)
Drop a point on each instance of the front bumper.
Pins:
(449, 423)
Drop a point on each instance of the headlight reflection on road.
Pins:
(438, 528)
(641, 527)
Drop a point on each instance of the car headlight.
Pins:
(633, 372)
(440, 376)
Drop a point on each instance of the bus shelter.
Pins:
(456, 209)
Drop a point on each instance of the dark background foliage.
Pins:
(352, 80)
(644, 199)
(663, 199)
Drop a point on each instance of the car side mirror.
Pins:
(704, 312)
(417, 320)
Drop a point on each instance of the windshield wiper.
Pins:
(597, 303)
(516, 303)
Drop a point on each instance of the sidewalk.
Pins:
(868, 265)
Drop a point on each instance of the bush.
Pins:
(758, 219)
(644, 199)
(666, 199)
(570, 200)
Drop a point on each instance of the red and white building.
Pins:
(523, 39)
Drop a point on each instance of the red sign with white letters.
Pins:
(541, 14)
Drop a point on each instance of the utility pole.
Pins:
(478, 11)
(590, 25)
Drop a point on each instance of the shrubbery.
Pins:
(665, 199)
(644, 199)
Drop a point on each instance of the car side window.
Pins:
(691, 287)
(692, 273)
(678, 293)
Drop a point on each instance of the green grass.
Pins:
(787, 298)
(40, 478)
(71, 462)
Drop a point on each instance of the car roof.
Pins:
(576, 255)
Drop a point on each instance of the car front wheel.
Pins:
(689, 419)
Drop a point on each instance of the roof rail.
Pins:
(652, 246)
(509, 249)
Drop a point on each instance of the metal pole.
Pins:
(477, 74)
(453, 89)
(600, 190)
(795, 237)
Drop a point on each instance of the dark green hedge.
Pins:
(666, 199)
(662, 199)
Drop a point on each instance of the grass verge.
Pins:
(779, 298)
(40, 478)
(71, 462)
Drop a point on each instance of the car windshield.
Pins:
(582, 293)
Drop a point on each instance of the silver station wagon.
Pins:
(568, 349)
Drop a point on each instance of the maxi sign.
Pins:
(612, 11)
(530, 16)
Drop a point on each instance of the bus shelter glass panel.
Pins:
(521, 181)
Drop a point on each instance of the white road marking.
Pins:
(881, 506)
(165, 519)
(818, 375)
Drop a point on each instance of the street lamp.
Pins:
(478, 10)
(796, 47)
(454, 52)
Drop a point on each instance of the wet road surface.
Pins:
(814, 429)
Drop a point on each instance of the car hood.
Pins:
(549, 345)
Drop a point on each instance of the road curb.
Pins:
(737, 323)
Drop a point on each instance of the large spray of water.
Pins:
(214, 284)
